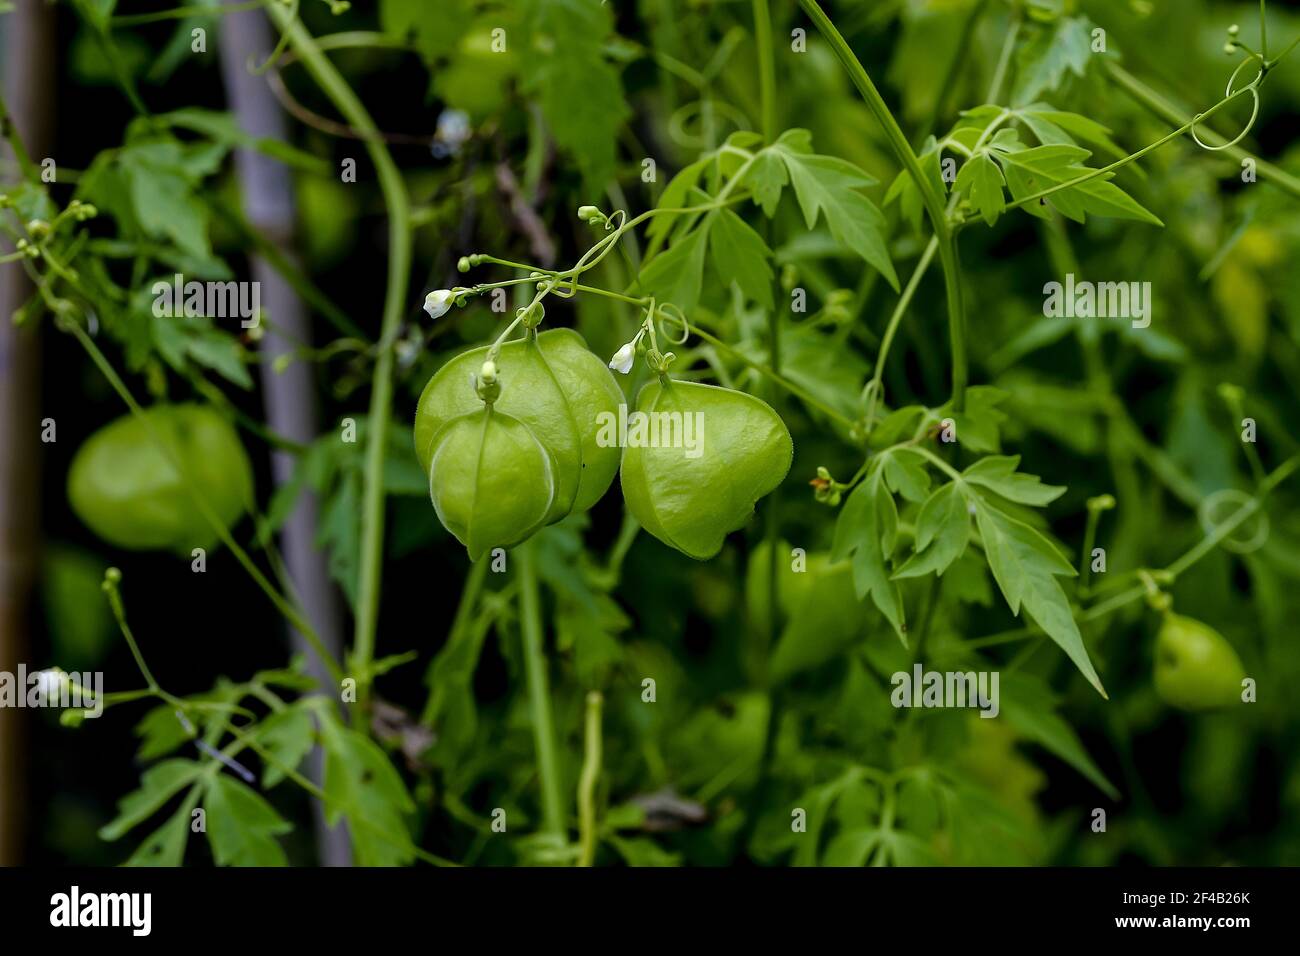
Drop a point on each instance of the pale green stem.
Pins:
(587, 782)
(539, 694)
(766, 69)
(381, 398)
(930, 197)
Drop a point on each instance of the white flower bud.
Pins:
(623, 358)
(437, 302)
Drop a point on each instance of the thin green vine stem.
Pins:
(183, 13)
(591, 761)
(930, 197)
(21, 156)
(112, 579)
(1132, 157)
(766, 69)
(381, 397)
(900, 309)
(1205, 545)
(539, 694)
(1004, 57)
(469, 599)
(1159, 106)
(1263, 31)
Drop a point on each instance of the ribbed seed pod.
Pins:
(697, 459)
(490, 480)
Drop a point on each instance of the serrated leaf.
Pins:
(242, 826)
(160, 733)
(980, 180)
(435, 32)
(998, 473)
(158, 784)
(675, 196)
(1030, 171)
(289, 735)
(167, 209)
(942, 533)
(740, 255)
(166, 845)
(1058, 49)
(865, 534)
(904, 191)
(1025, 565)
(677, 274)
(978, 428)
(1057, 126)
(1031, 708)
(766, 178)
(906, 473)
(826, 185)
(362, 785)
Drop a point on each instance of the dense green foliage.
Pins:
(830, 234)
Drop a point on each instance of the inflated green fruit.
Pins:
(553, 384)
(127, 490)
(1196, 668)
(594, 398)
(697, 459)
(490, 480)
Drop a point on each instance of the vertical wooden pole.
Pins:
(28, 43)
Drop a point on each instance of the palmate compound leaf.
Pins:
(942, 533)
(697, 459)
(828, 185)
(980, 181)
(865, 533)
(1023, 561)
(158, 784)
(1032, 170)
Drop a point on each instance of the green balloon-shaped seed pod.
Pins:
(1196, 668)
(697, 459)
(126, 487)
(490, 480)
(549, 387)
(594, 398)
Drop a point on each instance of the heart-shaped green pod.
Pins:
(594, 399)
(1196, 668)
(697, 458)
(126, 487)
(530, 393)
(490, 480)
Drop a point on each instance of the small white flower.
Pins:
(437, 302)
(623, 358)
